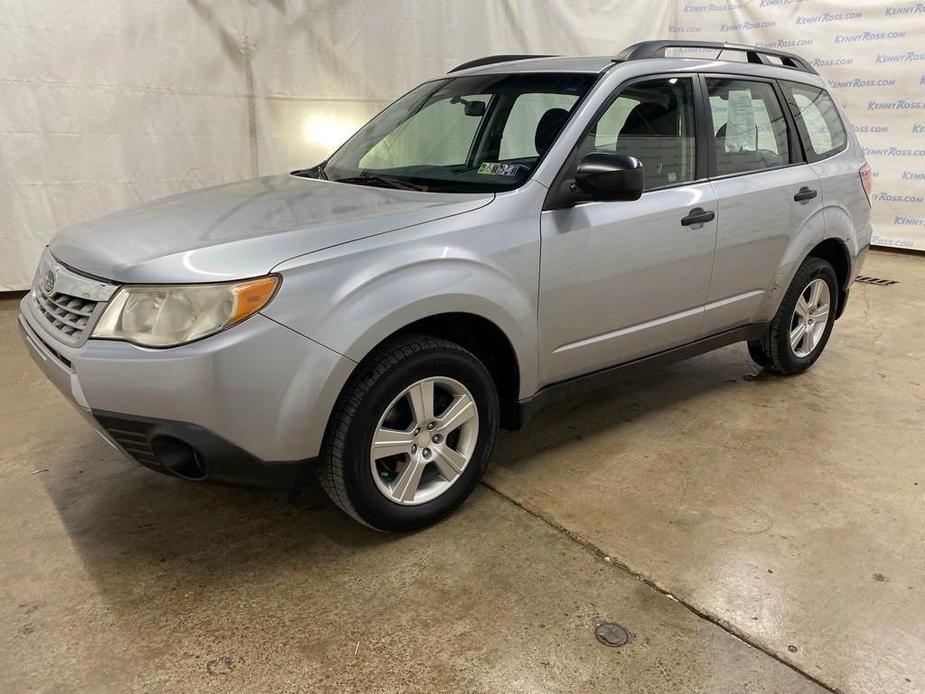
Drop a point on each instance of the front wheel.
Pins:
(411, 434)
(800, 330)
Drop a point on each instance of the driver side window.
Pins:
(654, 122)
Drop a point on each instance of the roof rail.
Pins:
(754, 54)
(488, 60)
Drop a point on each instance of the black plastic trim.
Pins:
(503, 58)
(563, 390)
(703, 129)
(754, 54)
(223, 461)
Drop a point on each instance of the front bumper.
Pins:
(251, 403)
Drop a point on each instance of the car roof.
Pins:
(600, 64)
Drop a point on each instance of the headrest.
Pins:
(648, 118)
(548, 127)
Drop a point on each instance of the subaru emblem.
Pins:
(48, 281)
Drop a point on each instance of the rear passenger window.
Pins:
(817, 118)
(748, 125)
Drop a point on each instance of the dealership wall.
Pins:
(109, 104)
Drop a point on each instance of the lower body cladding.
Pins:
(248, 406)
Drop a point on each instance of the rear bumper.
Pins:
(855, 270)
(250, 405)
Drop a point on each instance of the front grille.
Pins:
(67, 315)
(67, 302)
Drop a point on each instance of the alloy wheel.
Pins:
(424, 440)
(810, 318)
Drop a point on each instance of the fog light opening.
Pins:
(179, 457)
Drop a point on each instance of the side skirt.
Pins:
(523, 410)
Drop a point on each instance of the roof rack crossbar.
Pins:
(754, 54)
(491, 59)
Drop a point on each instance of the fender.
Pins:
(350, 298)
(810, 234)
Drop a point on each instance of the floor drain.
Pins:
(612, 634)
(875, 280)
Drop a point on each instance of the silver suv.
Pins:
(496, 238)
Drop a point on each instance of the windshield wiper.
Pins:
(381, 181)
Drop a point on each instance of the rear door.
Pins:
(766, 193)
(826, 145)
(619, 280)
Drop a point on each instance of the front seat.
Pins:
(650, 134)
(548, 128)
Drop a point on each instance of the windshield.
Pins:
(460, 135)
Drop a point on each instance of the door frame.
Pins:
(794, 143)
(559, 192)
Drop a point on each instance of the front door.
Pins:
(621, 280)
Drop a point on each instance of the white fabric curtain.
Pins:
(107, 104)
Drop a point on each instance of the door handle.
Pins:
(805, 194)
(698, 215)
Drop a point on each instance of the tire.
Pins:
(387, 390)
(784, 357)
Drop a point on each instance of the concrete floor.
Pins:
(754, 533)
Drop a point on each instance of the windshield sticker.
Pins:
(495, 169)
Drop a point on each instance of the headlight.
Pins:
(169, 315)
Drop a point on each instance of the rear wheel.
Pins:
(800, 330)
(411, 434)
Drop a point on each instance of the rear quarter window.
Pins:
(820, 126)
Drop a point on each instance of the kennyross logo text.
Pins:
(906, 57)
(869, 36)
(870, 128)
(714, 7)
(894, 151)
(784, 43)
(747, 25)
(858, 82)
(900, 105)
(896, 197)
(674, 29)
(828, 17)
(918, 128)
(913, 175)
(905, 9)
(900, 220)
(831, 62)
(776, 3)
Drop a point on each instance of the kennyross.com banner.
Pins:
(873, 55)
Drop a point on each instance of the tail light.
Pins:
(867, 179)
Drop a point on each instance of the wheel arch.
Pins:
(835, 252)
(478, 334)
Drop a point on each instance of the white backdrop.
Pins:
(106, 103)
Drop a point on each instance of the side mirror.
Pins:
(606, 176)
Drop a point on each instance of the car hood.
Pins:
(244, 229)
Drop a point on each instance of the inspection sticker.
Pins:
(495, 169)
